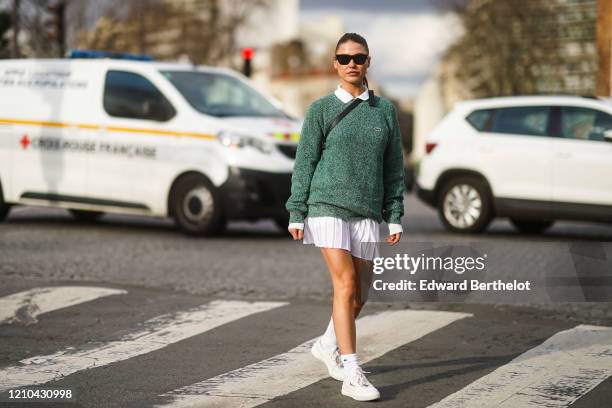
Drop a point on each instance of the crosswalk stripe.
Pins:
(260, 382)
(155, 334)
(553, 374)
(25, 306)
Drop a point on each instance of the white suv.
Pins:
(533, 159)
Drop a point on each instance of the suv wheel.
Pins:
(464, 205)
(87, 216)
(196, 206)
(531, 226)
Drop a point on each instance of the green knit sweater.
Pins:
(359, 174)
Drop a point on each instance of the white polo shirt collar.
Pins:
(345, 95)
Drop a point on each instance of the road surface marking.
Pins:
(553, 374)
(151, 335)
(260, 382)
(24, 307)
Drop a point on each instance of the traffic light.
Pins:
(247, 55)
(56, 30)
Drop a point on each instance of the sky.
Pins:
(406, 37)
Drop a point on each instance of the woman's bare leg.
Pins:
(344, 282)
(347, 304)
(364, 269)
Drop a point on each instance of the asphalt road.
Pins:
(99, 348)
(252, 260)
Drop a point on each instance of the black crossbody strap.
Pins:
(341, 116)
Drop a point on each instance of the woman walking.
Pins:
(348, 177)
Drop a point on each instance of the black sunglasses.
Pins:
(359, 59)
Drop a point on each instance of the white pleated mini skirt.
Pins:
(359, 236)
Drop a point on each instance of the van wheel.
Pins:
(282, 222)
(196, 206)
(4, 211)
(86, 216)
(531, 226)
(4, 207)
(464, 205)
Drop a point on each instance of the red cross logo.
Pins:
(25, 141)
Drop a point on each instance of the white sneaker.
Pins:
(358, 387)
(331, 359)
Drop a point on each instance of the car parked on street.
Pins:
(532, 159)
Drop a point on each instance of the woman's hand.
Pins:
(393, 239)
(296, 233)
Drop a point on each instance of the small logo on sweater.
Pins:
(377, 129)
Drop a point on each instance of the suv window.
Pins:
(480, 119)
(130, 95)
(584, 123)
(523, 120)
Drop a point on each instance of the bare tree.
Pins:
(34, 29)
(217, 28)
(204, 31)
(15, 25)
(5, 26)
(604, 47)
(510, 47)
(31, 23)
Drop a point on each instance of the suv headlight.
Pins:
(236, 140)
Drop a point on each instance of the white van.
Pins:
(199, 144)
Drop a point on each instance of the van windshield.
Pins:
(221, 95)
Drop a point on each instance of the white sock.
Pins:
(328, 339)
(350, 363)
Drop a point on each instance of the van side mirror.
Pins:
(608, 135)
